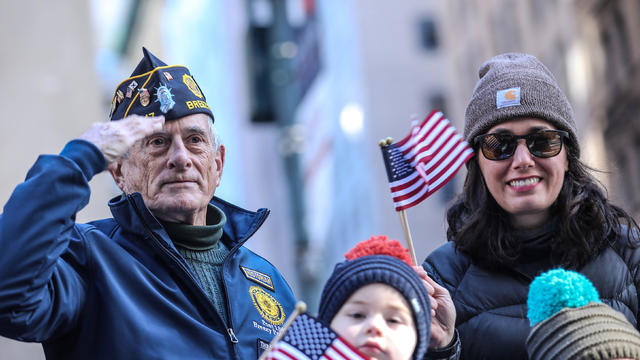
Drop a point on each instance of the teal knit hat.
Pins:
(557, 289)
(571, 323)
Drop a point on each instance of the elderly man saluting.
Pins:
(168, 276)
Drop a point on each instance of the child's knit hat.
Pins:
(570, 322)
(378, 260)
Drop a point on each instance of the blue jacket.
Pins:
(117, 288)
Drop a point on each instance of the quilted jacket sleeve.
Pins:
(42, 287)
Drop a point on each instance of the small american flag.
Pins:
(309, 339)
(425, 160)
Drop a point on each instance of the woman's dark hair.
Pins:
(586, 221)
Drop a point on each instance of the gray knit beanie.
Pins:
(516, 85)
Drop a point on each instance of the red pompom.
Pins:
(379, 245)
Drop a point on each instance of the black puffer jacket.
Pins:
(491, 305)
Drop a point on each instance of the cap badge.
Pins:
(191, 84)
(508, 97)
(145, 98)
(130, 88)
(119, 96)
(113, 107)
(165, 97)
(168, 75)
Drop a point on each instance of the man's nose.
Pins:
(178, 155)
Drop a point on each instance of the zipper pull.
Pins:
(232, 336)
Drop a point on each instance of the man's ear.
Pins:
(115, 169)
(219, 160)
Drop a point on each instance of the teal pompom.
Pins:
(557, 289)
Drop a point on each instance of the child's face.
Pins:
(377, 320)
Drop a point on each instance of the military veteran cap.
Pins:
(155, 88)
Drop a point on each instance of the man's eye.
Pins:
(157, 142)
(196, 139)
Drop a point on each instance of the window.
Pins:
(428, 34)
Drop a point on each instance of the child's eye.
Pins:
(396, 320)
(357, 315)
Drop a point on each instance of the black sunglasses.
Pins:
(501, 146)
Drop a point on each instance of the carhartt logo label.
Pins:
(508, 97)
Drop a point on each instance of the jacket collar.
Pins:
(133, 216)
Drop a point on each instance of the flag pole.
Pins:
(299, 309)
(407, 235)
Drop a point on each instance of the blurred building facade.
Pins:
(613, 32)
(478, 30)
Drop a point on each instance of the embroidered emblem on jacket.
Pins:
(268, 307)
(258, 277)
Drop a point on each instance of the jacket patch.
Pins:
(258, 277)
(262, 346)
(268, 307)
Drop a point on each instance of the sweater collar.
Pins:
(198, 237)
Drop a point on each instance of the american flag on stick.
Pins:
(425, 160)
(307, 338)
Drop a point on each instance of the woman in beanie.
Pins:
(377, 302)
(528, 205)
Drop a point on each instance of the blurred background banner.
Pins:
(302, 91)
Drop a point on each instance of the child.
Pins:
(377, 302)
(571, 323)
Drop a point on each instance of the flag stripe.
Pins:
(450, 173)
(285, 351)
(421, 144)
(435, 168)
(425, 160)
(347, 351)
(399, 196)
(443, 143)
(307, 338)
(403, 201)
(404, 182)
(410, 187)
(340, 350)
(426, 125)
